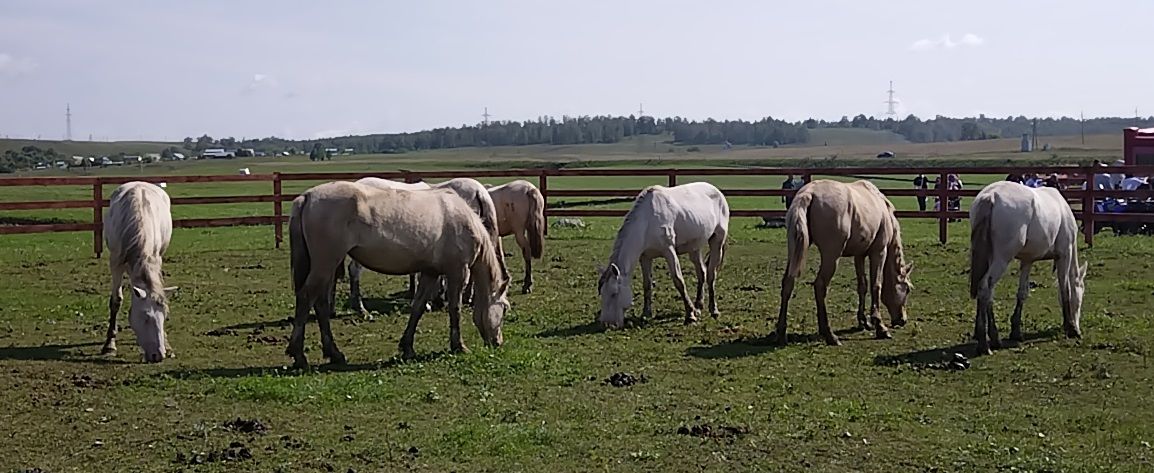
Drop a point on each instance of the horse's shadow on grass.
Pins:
(61, 352)
(397, 302)
(750, 346)
(593, 327)
(937, 358)
(251, 371)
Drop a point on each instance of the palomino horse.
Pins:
(521, 213)
(433, 233)
(842, 219)
(666, 222)
(473, 192)
(137, 229)
(1011, 221)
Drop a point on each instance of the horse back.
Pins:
(138, 221)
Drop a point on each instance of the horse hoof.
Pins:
(899, 322)
(646, 314)
(1017, 337)
(108, 350)
(461, 349)
(995, 344)
(1073, 333)
(526, 290)
(715, 314)
(883, 335)
(337, 359)
(301, 364)
(832, 341)
(170, 354)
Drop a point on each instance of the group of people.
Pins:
(953, 182)
(1119, 181)
(1036, 180)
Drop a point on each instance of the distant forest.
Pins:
(604, 129)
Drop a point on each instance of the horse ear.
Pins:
(169, 291)
(909, 269)
(139, 292)
(614, 270)
(1082, 270)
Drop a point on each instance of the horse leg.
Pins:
(1023, 293)
(647, 286)
(699, 271)
(716, 250)
(820, 285)
(115, 297)
(862, 286)
(1070, 325)
(355, 301)
(787, 283)
(412, 285)
(453, 292)
(325, 310)
(876, 260)
(424, 291)
(984, 318)
(306, 296)
(527, 255)
(679, 283)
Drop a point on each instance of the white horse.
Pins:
(1011, 221)
(521, 213)
(665, 222)
(392, 232)
(137, 229)
(474, 193)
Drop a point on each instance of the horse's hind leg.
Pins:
(355, 301)
(306, 298)
(115, 298)
(820, 285)
(1023, 294)
(880, 330)
(425, 291)
(325, 310)
(679, 282)
(699, 271)
(527, 255)
(716, 256)
(787, 283)
(985, 332)
(862, 287)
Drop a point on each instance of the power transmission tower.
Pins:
(891, 112)
(640, 110)
(486, 116)
(68, 122)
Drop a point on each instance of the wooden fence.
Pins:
(1081, 198)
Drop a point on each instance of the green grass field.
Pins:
(716, 396)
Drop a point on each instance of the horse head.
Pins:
(147, 316)
(616, 296)
(896, 289)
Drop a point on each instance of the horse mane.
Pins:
(143, 267)
(643, 198)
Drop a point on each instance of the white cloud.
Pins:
(11, 66)
(946, 42)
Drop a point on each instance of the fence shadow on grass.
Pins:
(60, 352)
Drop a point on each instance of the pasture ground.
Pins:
(716, 396)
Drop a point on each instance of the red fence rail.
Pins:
(1084, 212)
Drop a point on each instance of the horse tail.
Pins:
(536, 222)
(299, 259)
(797, 232)
(980, 242)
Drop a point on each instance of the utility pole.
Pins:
(486, 116)
(1082, 125)
(891, 112)
(1034, 135)
(640, 110)
(68, 122)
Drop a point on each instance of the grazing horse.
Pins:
(473, 192)
(137, 230)
(665, 222)
(433, 233)
(1011, 221)
(521, 213)
(847, 219)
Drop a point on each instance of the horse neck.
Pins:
(628, 246)
(892, 266)
(145, 272)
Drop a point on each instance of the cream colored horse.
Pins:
(433, 233)
(473, 192)
(665, 222)
(842, 219)
(521, 213)
(137, 230)
(1011, 221)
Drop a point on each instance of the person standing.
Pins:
(921, 183)
(788, 185)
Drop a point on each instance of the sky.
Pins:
(166, 69)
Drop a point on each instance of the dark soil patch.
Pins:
(86, 381)
(291, 443)
(259, 339)
(750, 288)
(707, 430)
(220, 332)
(235, 452)
(621, 380)
(246, 426)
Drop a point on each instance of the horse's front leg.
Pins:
(355, 301)
(454, 289)
(880, 330)
(862, 286)
(679, 282)
(699, 271)
(527, 255)
(115, 298)
(1023, 294)
(425, 290)
(647, 287)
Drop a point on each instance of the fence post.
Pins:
(98, 216)
(672, 177)
(1088, 207)
(943, 204)
(277, 209)
(543, 186)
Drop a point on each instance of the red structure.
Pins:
(1138, 145)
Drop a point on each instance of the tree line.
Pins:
(942, 129)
